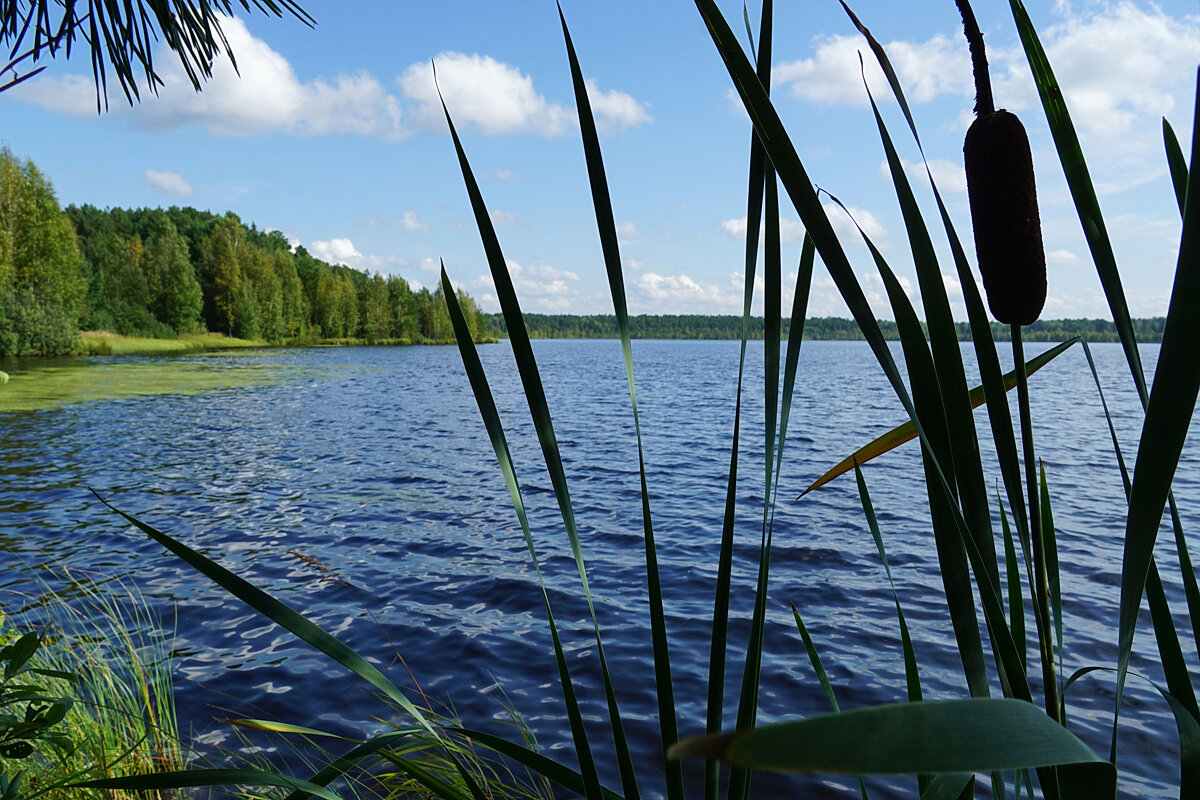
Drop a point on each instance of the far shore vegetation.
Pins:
(178, 273)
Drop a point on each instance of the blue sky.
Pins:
(332, 136)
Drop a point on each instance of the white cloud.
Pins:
(498, 98)
(1062, 258)
(833, 75)
(263, 96)
(499, 217)
(506, 175)
(337, 251)
(950, 176)
(411, 222)
(628, 230)
(684, 294)
(544, 286)
(1119, 67)
(615, 110)
(790, 230)
(168, 182)
(844, 226)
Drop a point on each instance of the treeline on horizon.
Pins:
(169, 272)
(702, 326)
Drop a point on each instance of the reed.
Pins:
(1016, 743)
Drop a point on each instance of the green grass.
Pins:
(103, 343)
(946, 744)
(123, 716)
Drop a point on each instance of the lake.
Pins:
(374, 463)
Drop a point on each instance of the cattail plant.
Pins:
(1000, 186)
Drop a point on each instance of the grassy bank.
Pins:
(103, 343)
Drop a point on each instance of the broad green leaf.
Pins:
(906, 432)
(974, 735)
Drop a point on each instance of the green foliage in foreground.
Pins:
(89, 697)
(1010, 576)
(728, 326)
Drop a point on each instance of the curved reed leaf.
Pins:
(906, 432)
(281, 614)
(536, 762)
(348, 760)
(718, 647)
(950, 786)
(535, 397)
(1168, 416)
(491, 420)
(207, 777)
(972, 735)
(947, 357)
(606, 225)
(1054, 585)
(1176, 163)
(912, 677)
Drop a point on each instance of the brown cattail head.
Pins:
(1004, 213)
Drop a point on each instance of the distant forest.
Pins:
(170, 272)
(700, 326)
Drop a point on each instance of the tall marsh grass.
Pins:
(1012, 743)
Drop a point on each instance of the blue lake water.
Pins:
(374, 462)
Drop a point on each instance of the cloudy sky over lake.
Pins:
(334, 136)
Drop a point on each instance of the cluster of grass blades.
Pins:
(1017, 743)
(104, 638)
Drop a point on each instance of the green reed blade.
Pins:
(950, 786)
(973, 735)
(1166, 637)
(1050, 538)
(815, 659)
(906, 432)
(535, 397)
(534, 761)
(491, 420)
(1083, 193)
(912, 677)
(606, 225)
(952, 560)
(1176, 163)
(1179, 177)
(348, 761)
(804, 272)
(772, 268)
(1170, 655)
(804, 199)
(206, 777)
(720, 621)
(274, 726)
(1012, 571)
(747, 710)
(1039, 583)
(947, 358)
(279, 613)
(1185, 724)
(435, 785)
(1168, 415)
